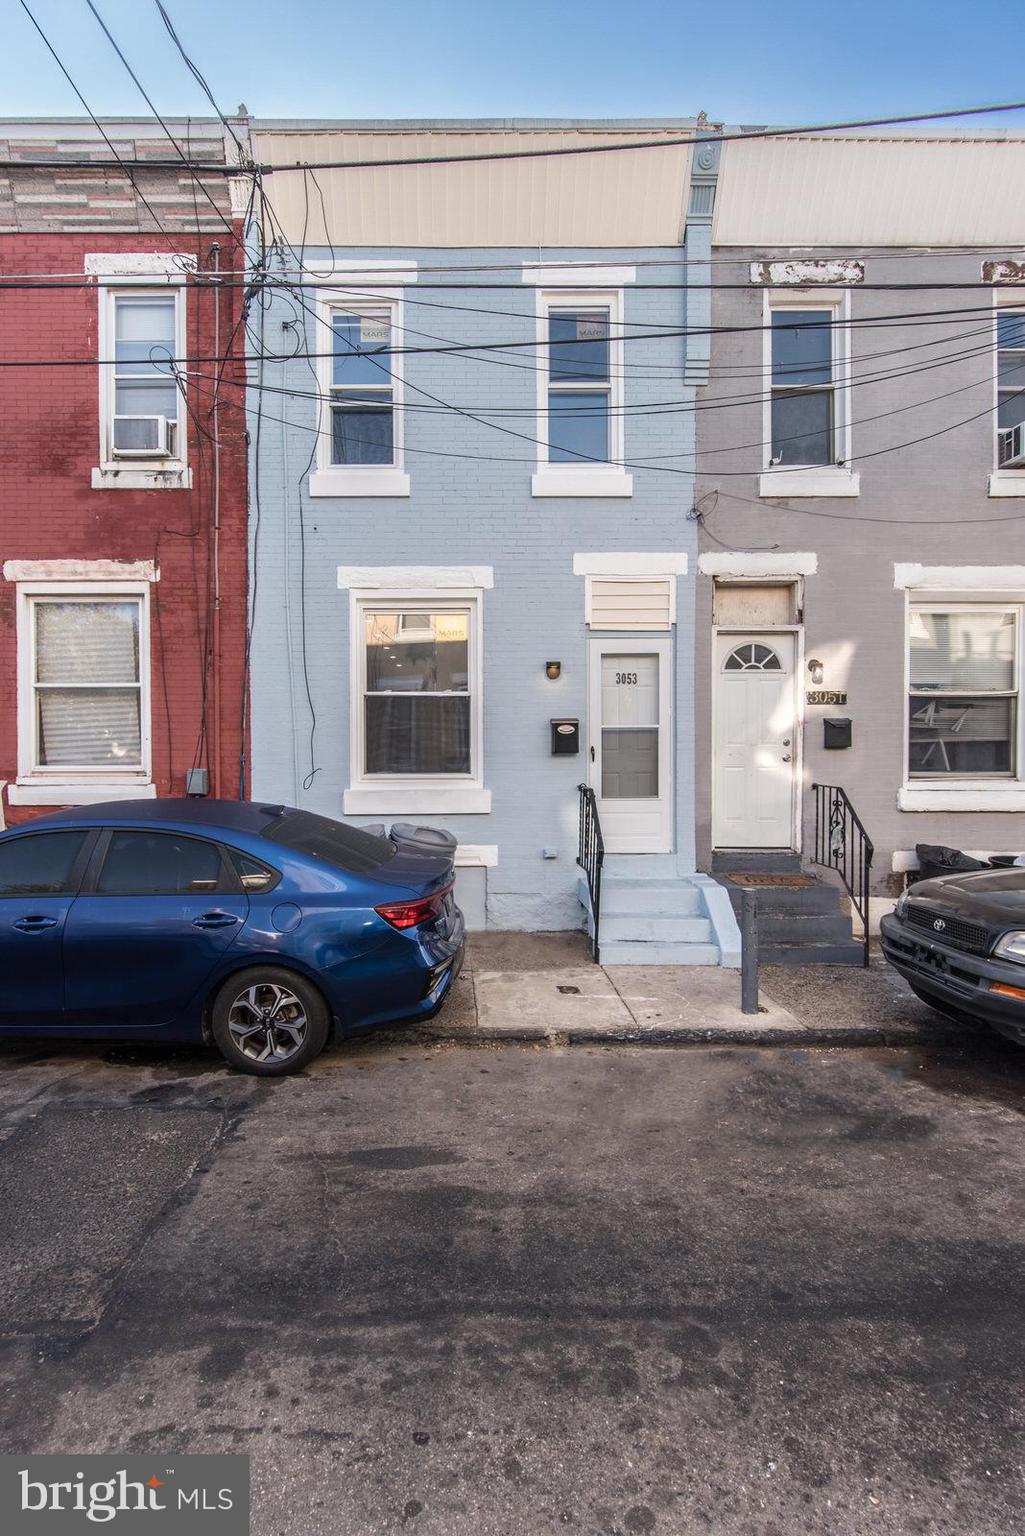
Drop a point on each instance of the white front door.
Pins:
(755, 754)
(630, 747)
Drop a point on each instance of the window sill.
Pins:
(36, 792)
(415, 799)
(113, 477)
(1007, 483)
(819, 480)
(368, 480)
(962, 797)
(580, 482)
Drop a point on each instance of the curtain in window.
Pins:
(87, 684)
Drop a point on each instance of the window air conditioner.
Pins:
(143, 437)
(1011, 447)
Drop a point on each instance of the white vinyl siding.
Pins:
(630, 603)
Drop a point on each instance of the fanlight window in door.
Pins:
(752, 657)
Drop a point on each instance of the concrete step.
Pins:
(849, 953)
(765, 861)
(794, 928)
(659, 954)
(647, 928)
(671, 898)
(818, 900)
(642, 866)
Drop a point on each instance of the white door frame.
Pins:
(624, 645)
(741, 630)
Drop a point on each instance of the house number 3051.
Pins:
(626, 677)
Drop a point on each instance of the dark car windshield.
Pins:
(348, 848)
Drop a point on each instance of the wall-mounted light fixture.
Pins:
(553, 669)
(815, 668)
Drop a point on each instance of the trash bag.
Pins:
(934, 860)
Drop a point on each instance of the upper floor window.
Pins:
(963, 715)
(806, 348)
(1011, 389)
(362, 386)
(142, 409)
(580, 395)
(360, 437)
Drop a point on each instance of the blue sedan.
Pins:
(264, 929)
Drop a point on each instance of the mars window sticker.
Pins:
(374, 330)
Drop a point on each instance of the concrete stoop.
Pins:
(800, 922)
(652, 915)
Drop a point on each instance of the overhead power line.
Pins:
(666, 142)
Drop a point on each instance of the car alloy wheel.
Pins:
(267, 1022)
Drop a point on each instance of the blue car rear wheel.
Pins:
(269, 1021)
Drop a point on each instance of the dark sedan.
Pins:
(959, 942)
(264, 929)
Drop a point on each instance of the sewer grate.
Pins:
(756, 877)
(574, 990)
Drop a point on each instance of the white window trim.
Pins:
(37, 785)
(133, 474)
(415, 794)
(1004, 482)
(811, 480)
(326, 478)
(585, 478)
(1002, 793)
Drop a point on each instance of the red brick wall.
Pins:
(49, 445)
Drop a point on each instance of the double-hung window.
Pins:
(963, 673)
(419, 685)
(83, 687)
(803, 387)
(580, 419)
(362, 387)
(1010, 388)
(142, 406)
(360, 441)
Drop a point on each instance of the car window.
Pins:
(348, 848)
(253, 875)
(39, 863)
(159, 864)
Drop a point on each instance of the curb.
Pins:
(766, 1035)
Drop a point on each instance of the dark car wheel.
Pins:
(269, 1021)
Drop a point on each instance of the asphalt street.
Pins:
(515, 1290)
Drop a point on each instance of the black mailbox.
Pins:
(565, 737)
(837, 733)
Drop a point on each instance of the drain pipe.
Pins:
(215, 251)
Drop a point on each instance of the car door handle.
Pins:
(35, 923)
(215, 920)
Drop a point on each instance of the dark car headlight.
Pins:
(1011, 947)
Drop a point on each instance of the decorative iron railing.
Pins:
(591, 856)
(841, 843)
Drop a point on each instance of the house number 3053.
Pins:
(626, 677)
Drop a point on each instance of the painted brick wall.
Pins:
(49, 445)
(924, 502)
(467, 510)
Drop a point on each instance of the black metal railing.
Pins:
(841, 843)
(591, 855)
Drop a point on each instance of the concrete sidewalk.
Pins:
(544, 987)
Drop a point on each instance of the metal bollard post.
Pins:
(748, 953)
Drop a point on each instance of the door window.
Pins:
(629, 727)
(159, 864)
(40, 863)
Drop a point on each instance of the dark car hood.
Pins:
(994, 897)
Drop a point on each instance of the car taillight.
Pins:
(409, 914)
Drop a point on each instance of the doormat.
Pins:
(756, 877)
